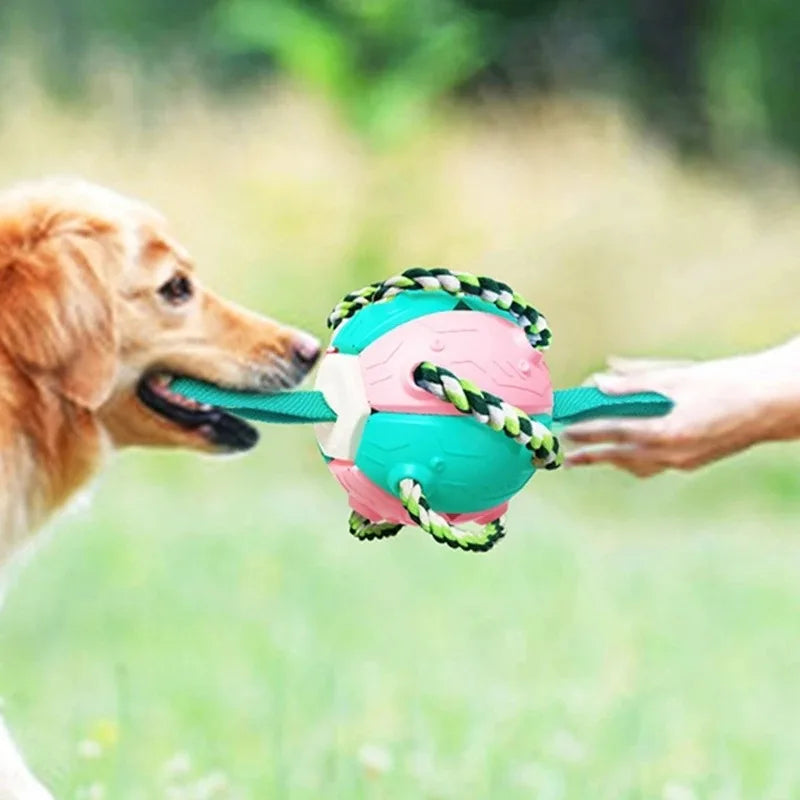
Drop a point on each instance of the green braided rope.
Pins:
(351, 303)
(491, 410)
(416, 504)
(365, 530)
(456, 283)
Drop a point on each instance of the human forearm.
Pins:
(721, 407)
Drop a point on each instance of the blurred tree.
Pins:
(713, 74)
(669, 43)
(383, 61)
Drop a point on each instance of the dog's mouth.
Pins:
(217, 427)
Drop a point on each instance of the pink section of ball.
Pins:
(488, 350)
(378, 505)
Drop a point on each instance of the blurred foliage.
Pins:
(382, 60)
(712, 74)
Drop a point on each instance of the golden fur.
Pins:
(82, 321)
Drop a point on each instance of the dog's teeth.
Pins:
(205, 407)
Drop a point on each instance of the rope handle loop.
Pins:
(365, 530)
(458, 284)
(416, 504)
(491, 410)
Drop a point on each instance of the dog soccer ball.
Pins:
(399, 448)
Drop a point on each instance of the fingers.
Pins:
(635, 366)
(615, 431)
(638, 461)
(628, 375)
(611, 383)
(628, 384)
(640, 446)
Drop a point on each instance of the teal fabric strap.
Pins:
(587, 402)
(283, 407)
(570, 405)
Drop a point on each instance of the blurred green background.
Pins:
(714, 74)
(207, 628)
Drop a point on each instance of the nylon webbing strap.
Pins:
(587, 402)
(570, 405)
(283, 407)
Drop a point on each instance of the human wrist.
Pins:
(775, 376)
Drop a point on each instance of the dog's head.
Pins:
(100, 306)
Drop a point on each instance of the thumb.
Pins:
(625, 384)
(621, 365)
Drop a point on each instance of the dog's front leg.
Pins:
(16, 781)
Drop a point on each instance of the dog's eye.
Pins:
(177, 290)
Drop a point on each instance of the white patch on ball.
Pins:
(340, 381)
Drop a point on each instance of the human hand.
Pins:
(721, 407)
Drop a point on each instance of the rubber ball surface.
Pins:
(395, 429)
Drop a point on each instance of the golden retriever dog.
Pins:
(99, 308)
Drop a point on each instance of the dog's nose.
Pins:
(306, 349)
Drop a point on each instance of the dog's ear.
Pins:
(56, 307)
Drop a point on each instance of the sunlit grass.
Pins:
(208, 628)
(230, 618)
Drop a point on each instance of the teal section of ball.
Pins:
(372, 321)
(463, 466)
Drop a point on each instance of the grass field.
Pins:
(625, 641)
(207, 628)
